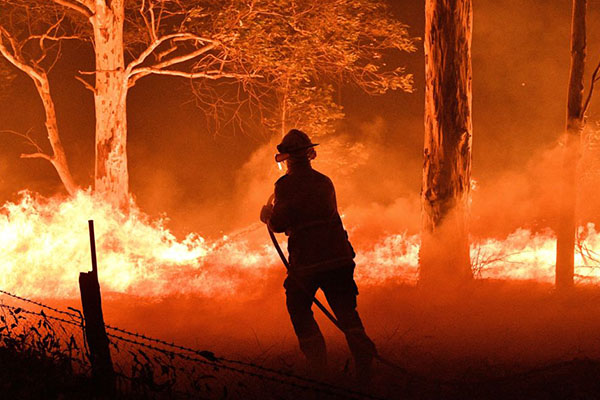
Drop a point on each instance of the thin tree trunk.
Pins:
(444, 254)
(111, 174)
(286, 91)
(59, 158)
(565, 244)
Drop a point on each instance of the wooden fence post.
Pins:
(102, 369)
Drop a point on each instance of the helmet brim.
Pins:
(282, 156)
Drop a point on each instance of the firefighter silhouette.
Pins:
(320, 254)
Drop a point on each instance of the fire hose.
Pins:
(318, 303)
(376, 356)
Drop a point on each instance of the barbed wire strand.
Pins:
(244, 372)
(208, 357)
(40, 314)
(37, 303)
(71, 335)
(211, 357)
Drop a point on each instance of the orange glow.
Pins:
(44, 245)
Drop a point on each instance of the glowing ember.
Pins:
(44, 245)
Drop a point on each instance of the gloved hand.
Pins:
(266, 212)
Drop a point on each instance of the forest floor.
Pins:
(494, 339)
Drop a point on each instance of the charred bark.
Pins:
(565, 244)
(444, 255)
(110, 95)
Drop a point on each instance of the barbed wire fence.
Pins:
(148, 367)
(152, 368)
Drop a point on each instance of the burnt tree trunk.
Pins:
(111, 174)
(565, 244)
(444, 254)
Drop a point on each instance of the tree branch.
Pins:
(80, 7)
(87, 85)
(39, 152)
(214, 74)
(165, 53)
(54, 38)
(155, 44)
(14, 59)
(37, 155)
(595, 78)
(179, 59)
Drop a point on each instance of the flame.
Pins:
(44, 244)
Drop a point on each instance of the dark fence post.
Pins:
(102, 369)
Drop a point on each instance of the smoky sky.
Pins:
(178, 167)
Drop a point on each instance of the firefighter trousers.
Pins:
(340, 289)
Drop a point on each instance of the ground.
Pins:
(491, 339)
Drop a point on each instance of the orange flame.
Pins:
(44, 245)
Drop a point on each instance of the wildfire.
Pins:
(44, 245)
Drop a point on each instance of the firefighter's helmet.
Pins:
(295, 144)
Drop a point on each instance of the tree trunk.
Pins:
(111, 174)
(59, 158)
(444, 255)
(284, 109)
(565, 244)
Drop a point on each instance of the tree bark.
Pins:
(111, 173)
(444, 254)
(565, 243)
(59, 158)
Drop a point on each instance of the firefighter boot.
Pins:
(364, 369)
(363, 351)
(315, 352)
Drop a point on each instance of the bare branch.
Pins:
(14, 58)
(180, 59)
(595, 78)
(155, 44)
(37, 155)
(153, 21)
(54, 38)
(39, 151)
(48, 34)
(148, 25)
(77, 6)
(214, 74)
(161, 55)
(87, 85)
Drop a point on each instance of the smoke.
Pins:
(195, 265)
(374, 203)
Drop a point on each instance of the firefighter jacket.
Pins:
(305, 208)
